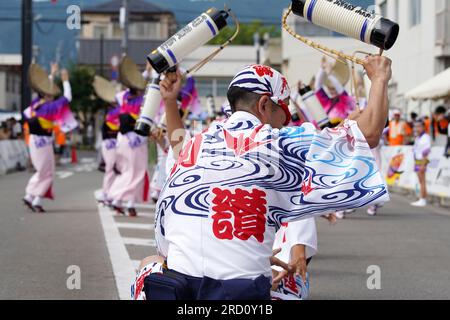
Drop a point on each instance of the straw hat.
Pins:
(130, 75)
(342, 73)
(104, 89)
(39, 81)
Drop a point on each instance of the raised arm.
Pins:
(170, 87)
(66, 84)
(320, 78)
(321, 74)
(336, 84)
(372, 120)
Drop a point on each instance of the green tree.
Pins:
(245, 36)
(84, 100)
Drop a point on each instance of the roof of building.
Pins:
(11, 59)
(137, 49)
(135, 6)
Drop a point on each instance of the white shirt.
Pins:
(297, 232)
(236, 182)
(422, 145)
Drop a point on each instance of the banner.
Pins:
(13, 153)
(398, 170)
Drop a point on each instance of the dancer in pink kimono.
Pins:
(45, 112)
(131, 186)
(106, 91)
(338, 104)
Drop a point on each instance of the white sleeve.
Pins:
(298, 232)
(119, 97)
(320, 78)
(303, 232)
(339, 172)
(336, 84)
(67, 90)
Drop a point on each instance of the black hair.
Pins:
(238, 96)
(414, 115)
(440, 110)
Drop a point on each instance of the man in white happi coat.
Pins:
(237, 182)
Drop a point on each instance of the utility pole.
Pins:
(101, 54)
(124, 16)
(257, 44)
(27, 50)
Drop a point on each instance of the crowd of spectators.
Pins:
(400, 131)
(11, 129)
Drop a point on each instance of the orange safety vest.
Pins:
(427, 124)
(26, 133)
(396, 133)
(60, 137)
(443, 124)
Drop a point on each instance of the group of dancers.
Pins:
(237, 200)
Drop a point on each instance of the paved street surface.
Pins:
(410, 246)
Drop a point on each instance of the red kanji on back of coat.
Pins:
(248, 208)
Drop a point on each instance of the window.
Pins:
(415, 12)
(117, 32)
(222, 87)
(145, 30)
(218, 87)
(99, 30)
(204, 87)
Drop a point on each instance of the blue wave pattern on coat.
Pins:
(303, 172)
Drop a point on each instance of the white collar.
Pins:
(243, 116)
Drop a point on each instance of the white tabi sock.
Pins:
(117, 203)
(37, 201)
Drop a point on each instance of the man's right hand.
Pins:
(170, 86)
(378, 68)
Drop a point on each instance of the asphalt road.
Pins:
(36, 250)
(410, 246)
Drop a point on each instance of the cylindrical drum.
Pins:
(194, 35)
(314, 107)
(349, 20)
(149, 108)
(294, 112)
(210, 106)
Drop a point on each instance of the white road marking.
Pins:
(123, 268)
(140, 226)
(145, 206)
(63, 174)
(87, 160)
(139, 241)
(146, 215)
(85, 168)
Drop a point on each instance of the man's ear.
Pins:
(262, 105)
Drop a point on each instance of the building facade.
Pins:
(10, 84)
(215, 77)
(423, 47)
(149, 26)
